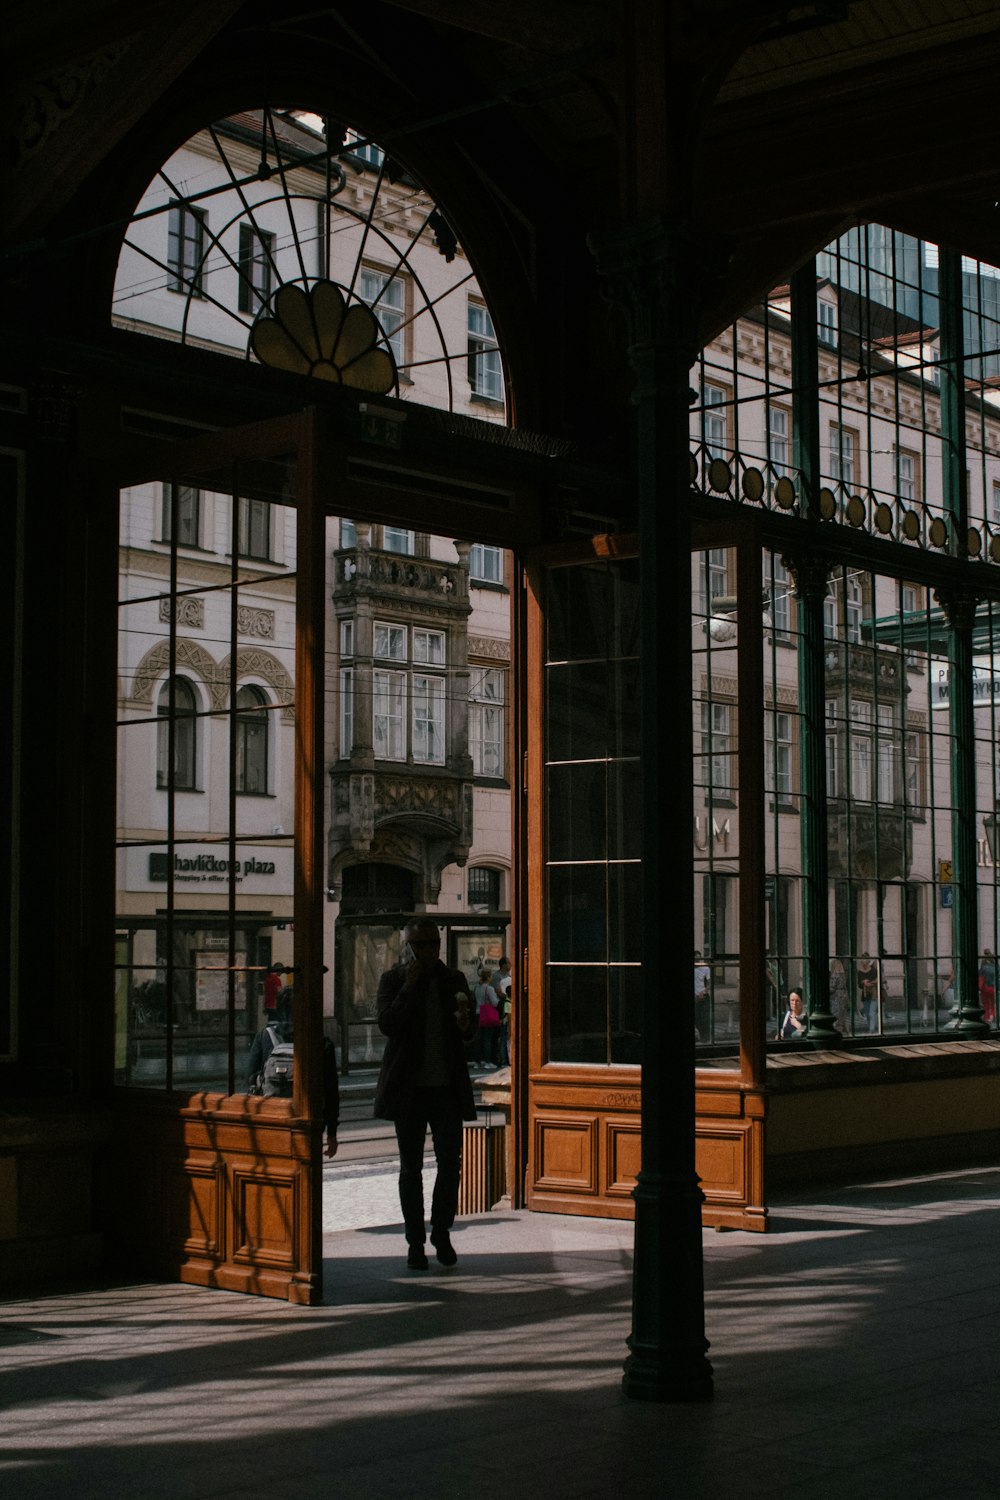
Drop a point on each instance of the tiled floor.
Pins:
(856, 1352)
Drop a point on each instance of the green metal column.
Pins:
(650, 271)
(810, 570)
(959, 606)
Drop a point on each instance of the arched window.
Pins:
(251, 741)
(177, 702)
(484, 888)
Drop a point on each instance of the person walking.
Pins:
(503, 988)
(425, 1011)
(488, 1018)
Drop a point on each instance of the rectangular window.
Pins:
(389, 641)
(486, 718)
(853, 605)
(995, 512)
(907, 474)
(486, 563)
(186, 249)
(255, 529)
(346, 711)
(827, 324)
(778, 753)
(428, 720)
(386, 296)
(780, 598)
(713, 420)
(256, 268)
(347, 638)
(913, 796)
(861, 751)
(484, 371)
(181, 504)
(714, 576)
(389, 714)
(395, 539)
(832, 748)
(716, 747)
(364, 150)
(348, 534)
(843, 454)
(428, 647)
(830, 610)
(886, 753)
(778, 445)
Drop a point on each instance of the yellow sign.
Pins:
(944, 871)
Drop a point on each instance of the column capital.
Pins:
(959, 606)
(654, 273)
(810, 574)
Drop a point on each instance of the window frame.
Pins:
(385, 311)
(180, 217)
(254, 517)
(248, 722)
(484, 367)
(485, 742)
(256, 266)
(186, 736)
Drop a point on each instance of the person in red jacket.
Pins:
(272, 989)
(426, 1012)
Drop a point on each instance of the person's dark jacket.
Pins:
(263, 1045)
(401, 1019)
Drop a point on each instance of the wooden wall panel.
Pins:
(586, 1160)
(265, 1207)
(622, 1157)
(194, 1202)
(566, 1153)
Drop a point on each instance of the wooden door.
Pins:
(220, 861)
(583, 872)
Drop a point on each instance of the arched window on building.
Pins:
(484, 888)
(177, 705)
(251, 741)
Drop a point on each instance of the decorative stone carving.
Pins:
(192, 656)
(251, 661)
(361, 569)
(50, 101)
(486, 646)
(188, 611)
(255, 622)
(189, 654)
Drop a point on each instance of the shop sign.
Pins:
(206, 867)
(985, 684)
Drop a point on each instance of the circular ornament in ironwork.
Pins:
(995, 549)
(720, 475)
(855, 511)
(973, 542)
(753, 484)
(784, 492)
(938, 534)
(911, 526)
(827, 504)
(883, 518)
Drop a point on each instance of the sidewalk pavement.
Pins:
(855, 1350)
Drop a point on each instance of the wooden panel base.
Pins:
(214, 1194)
(586, 1147)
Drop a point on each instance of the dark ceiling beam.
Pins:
(556, 26)
(60, 123)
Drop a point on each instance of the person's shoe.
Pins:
(443, 1248)
(416, 1258)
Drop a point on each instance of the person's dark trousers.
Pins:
(438, 1108)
